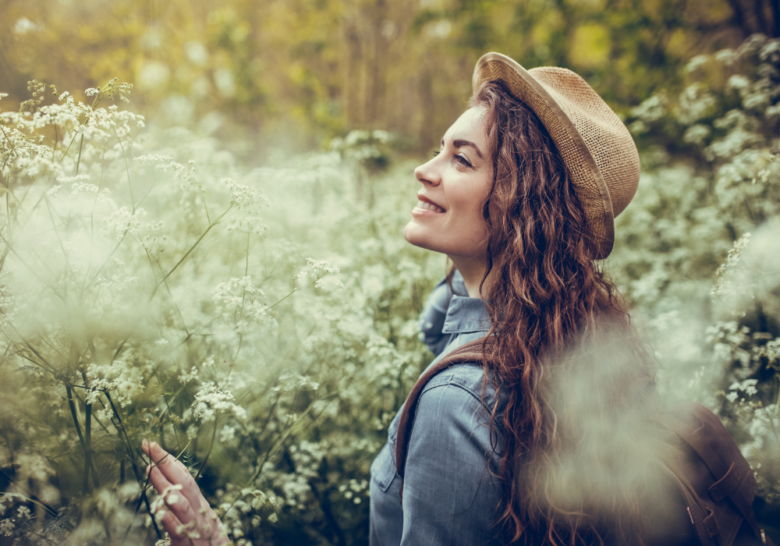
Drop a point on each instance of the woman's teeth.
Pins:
(429, 206)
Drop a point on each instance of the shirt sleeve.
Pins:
(449, 496)
(432, 318)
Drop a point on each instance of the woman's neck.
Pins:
(472, 271)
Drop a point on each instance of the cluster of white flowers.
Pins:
(123, 378)
(293, 382)
(9, 525)
(123, 222)
(354, 490)
(242, 196)
(722, 281)
(747, 386)
(770, 351)
(239, 300)
(248, 224)
(322, 272)
(210, 401)
(728, 339)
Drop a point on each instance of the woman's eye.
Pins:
(462, 160)
(459, 158)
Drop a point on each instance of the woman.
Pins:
(521, 197)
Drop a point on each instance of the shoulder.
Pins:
(456, 393)
(451, 458)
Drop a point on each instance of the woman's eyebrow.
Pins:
(461, 142)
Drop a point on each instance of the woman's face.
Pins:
(455, 183)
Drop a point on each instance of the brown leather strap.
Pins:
(469, 352)
(726, 485)
(719, 468)
(696, 510)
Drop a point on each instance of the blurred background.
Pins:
(322, 108)
(296, 73)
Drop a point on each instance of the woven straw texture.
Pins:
(596, 147)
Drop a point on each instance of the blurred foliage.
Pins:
(299, 72)
(699, 253)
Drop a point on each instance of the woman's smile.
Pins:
(426, 207)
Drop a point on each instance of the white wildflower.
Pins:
(211, 400)
(227, 433)
(292, 381)
(738, 81)
(123, 378)
(243, 197)
(248, 224)
(723, 284)
(239, 299)
(748, 386)
(7, 527)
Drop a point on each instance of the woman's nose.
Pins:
(427, 173)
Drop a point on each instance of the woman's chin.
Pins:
(414, 235)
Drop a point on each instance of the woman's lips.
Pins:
(430, 207)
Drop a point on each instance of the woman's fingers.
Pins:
(171, 524)
(189, 508)
(177, 503)
(175, 472)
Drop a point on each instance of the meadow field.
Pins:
(254, 309)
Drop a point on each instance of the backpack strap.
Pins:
(702, 520)
(469, 352)
(728, 478)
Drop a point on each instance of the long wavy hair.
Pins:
(547, 297)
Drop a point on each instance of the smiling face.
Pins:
(455, 183)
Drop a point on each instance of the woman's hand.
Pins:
(188, 517)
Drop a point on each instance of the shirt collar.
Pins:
(466, 314)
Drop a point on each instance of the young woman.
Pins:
(521, 197)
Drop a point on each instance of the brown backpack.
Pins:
(716, 483)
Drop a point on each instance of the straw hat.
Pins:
(595, 146)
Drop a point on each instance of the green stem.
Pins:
(65, 153)
(127, 168)
(175, 267)
(88, 462)
(73, 414)
(87, 445)
(56, 232)
(81, 146)
(205, 206)
(208, 453)
(134, 466)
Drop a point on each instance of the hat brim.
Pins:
(571, 144)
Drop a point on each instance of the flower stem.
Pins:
(211, 446)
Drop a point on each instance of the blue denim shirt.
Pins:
(449, 495)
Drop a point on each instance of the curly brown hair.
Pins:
(546, 293)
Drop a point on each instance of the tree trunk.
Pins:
(376, 95)
(739, 18)
(352, 94)
(760, 14)
(427, 101)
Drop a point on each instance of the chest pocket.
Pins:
(383, 467)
